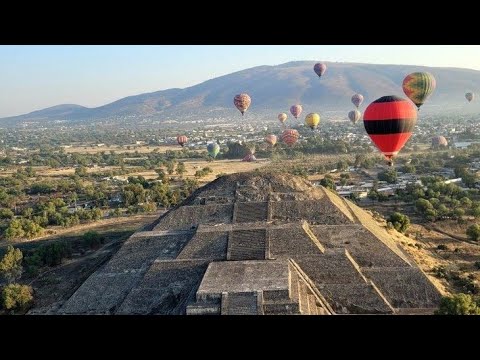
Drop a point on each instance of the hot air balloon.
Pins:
(282, 117)
(249, 158)
(242, 102)
(296, 110)
(312, 120)
(354, 116)
(182, 140)
(389, 121)
(439, 141)
(213, 149)
(357, 100)
(469, 96)
(271, 139)
(290, 136)
(320, 69)
(418, 87)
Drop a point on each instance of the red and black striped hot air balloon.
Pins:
(389, 121)
(182, 140)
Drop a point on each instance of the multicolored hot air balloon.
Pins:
(469, 96)
(271, 139)
(312, 120)
(357, 100)
(439, 141)
(182, 140)
(242, 102)
(213, 149)
(249, 158)
(320, 69)
(296, 110)
(282, 117)
(418, 86)
(354, 116)
(389, 121)
(290, 136)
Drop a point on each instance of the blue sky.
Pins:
(35, 77)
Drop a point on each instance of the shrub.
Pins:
(17, 297)
(11, 264)
(53, 254)
(473, 232)
(443, 247)
(458, 304)
(6, 214)
(400, 221)
(93, 239)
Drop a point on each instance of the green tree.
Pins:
(14, 230)
(473, 232)
(181, 169)
(16, 297)
(458, 304)
(328, 182)
(6, 214)
(423, 205)
(93, 239)
(400, 221)
(389, 176)
(11, 264)
(342, 165)
(81, 171)
(373, 195)
(170, 167)
(409, 169)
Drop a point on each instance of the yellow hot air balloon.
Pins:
(312, 120)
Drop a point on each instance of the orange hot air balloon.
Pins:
(242, 102)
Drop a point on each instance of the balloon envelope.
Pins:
(438, 141)
(469, 96)
(290, 136)
(357, 100)
(296, 110)
(271, 139)
(182, 139)
(242, 102)
(354, 116)
(282, 117)
(418, 87)
(320, 69)
(312, 120)
(213, 149)
(389, 121)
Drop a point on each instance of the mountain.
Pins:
(276, 88)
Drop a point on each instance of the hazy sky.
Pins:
(35, 77)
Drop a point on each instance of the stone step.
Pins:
(241, 304)
(203, 309)
(250, 212)
(281, 308)
(247, 245)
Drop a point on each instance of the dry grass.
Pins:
(142, 149)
